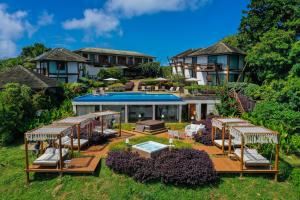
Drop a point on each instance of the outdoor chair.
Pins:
(177, 89)
(171, 89)
(163, 88)
(173, 134)
(156, 88)
(193, 129)
(143, 88)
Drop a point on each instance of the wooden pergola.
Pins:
(224, 124)
(256, 135)
(79, 122)
(102, 115)
(47, 133)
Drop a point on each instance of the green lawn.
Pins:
(107, 185)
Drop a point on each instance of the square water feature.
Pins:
(149, 149)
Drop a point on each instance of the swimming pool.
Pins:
(128, 97)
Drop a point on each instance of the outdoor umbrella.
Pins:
(110, 79)
(161, 79)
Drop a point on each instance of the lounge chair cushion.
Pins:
(252, 157)
(226, 143)
(50, 157)
(109, 132)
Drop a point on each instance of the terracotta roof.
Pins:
(113, 52)
(60, 54)
(217, 49)
(21, 75)
(186, 53)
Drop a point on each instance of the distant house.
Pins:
(213, 65)
(61, 64)
(99, 58)
(23, 76)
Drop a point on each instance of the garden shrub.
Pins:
(116, 87)
(112, 72)
(72, 90)
(151, 69)
(125, 162)
(295, 179)
(186, 167)
(129, 86)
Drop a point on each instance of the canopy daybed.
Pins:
(250, 157)
(52, 157)
(107, 119)
(80, 122)
(224, 124)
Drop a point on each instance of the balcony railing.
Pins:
(200, 67)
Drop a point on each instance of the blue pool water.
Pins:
(127, 96)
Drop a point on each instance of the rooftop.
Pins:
(60, 54)
(218, 48)
(113, 51)
(21, 75)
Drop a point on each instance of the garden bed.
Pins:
(184, 167)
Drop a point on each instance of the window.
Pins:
(213, 59)
(146, 60)
(194, 60)
(85, 55)
(60, 66)
(130, 60)
(113, 60)
(97, 108)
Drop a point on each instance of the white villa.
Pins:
(212, 65)
(67, 66)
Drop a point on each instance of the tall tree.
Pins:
(269, 59)
(34, 50)
(263, 15)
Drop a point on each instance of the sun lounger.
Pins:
(156, 88)
(66, 141)
(177, 89)
(171, 89)
(252, 158)
(50, 157)
(226, 143)
(109, 132)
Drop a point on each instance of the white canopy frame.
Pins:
(106, 115)
(224, 124)
(256, 135)
(78, 121)
(46, 133)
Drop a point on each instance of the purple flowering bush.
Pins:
(186, 167)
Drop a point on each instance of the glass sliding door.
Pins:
(168, 113)
(139, 112)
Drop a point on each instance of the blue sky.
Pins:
(158, 27)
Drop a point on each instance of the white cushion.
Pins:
(252, 157)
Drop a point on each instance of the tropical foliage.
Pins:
(151, 69)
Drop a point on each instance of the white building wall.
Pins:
(187, 73)
(72, 67)
(179, 70)
(202, 77)
(211, 108)
(174, 70)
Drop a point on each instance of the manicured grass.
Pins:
(107, 185)
(137, 140)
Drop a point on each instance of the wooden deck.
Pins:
(222, 163)
(90, 168)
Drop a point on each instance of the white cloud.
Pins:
(13, 26)
(94, 22)
(130, 8)
(106, 20)
(45, 19)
